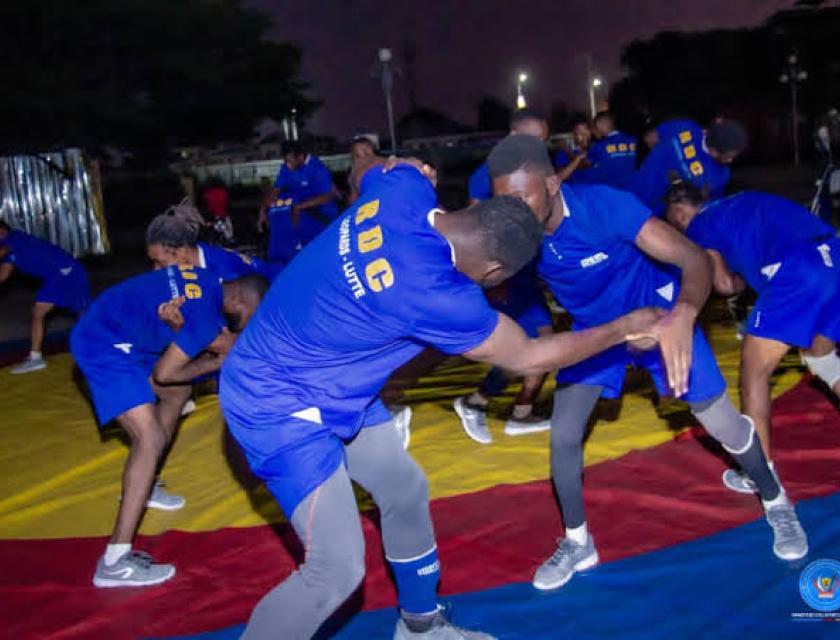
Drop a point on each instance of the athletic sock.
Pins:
(778, 501)
(36, 355)
(521, 411)
(417, 580)
(754, 464)
(579, 534)
(477, 398)
(113, 552)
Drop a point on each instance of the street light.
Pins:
(387, 73)
(594, 84)
(793, 76)
(521, 79)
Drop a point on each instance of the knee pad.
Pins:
(826, 368)
(734, 431)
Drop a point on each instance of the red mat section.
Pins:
(643, 501)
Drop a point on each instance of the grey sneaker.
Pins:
(474, 421)
(29, 365)
(441, 629)
(523, 426)
(789, 539)
(402, 423)
(569, 558)
(134, 569)
(160, 499)
(737, 480)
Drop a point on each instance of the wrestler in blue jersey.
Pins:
(300, 205)
(604, 255)
(139, 346)
(686, 152)
(64, 283)
(299, 389)
(119, 340)
(791, 259)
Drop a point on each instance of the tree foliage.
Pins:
(139, 73)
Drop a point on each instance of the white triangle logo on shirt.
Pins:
(667, 291)
(312, 414)
(66, 270)
(125, 347)
(770, 270)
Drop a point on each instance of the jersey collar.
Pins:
(431, 218)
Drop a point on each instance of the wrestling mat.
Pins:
(681, 555)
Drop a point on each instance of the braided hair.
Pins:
(178, 226)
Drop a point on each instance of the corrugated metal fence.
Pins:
(56, 196)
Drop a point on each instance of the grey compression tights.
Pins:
(574, 404)
(327, 522)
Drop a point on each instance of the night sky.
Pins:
(466, 49)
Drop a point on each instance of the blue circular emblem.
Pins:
(819, 585)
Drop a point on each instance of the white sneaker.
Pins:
(163, 500)
(529, 424)
(402, 423)
(29, 365)
(473, 420)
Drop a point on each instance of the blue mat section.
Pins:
(728, 585)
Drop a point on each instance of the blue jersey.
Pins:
(230, 265)
(680, 153)
(359, 301)
(754, 232)
(125, 316)
(35, 257)
(613, 160)
(480, 186)
(311, 180)
(591, 262)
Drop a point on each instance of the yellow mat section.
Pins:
(61, 477)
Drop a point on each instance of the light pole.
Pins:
(594, 83)
(793, 75)
(387, 85)
(521, 79)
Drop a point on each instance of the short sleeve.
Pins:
(479, 184)
(619, 214)
(202, 321)
(456, 317)
(562, 159)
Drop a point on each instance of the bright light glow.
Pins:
(384, 55)
(523, 77)
(596, 82)
(520, 102)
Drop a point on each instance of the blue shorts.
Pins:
(802, 299)
(304, 453)
(607, 369)
(69, 290)
(117, 381)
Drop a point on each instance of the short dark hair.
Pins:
(579, 119)
(254, 283)
(517, 152)
(684, 192)
(295, 147)
(511, 234)
(727, 136)
(521, 115)
(176, 227)
(361, 139)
